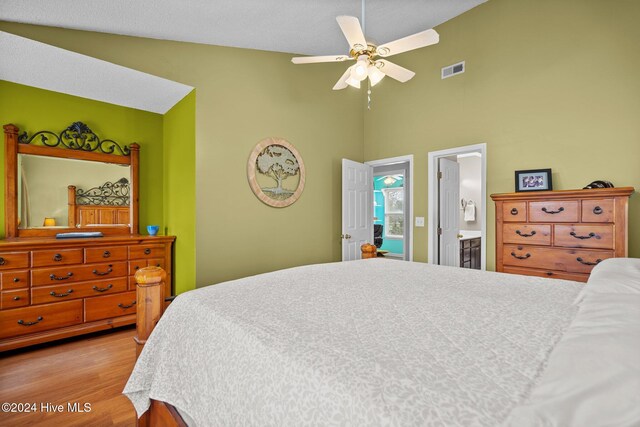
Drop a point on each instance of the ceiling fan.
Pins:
(365, 54)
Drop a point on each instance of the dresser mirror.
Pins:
(67, 181)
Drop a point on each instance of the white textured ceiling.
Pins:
(40, 65)
(295, 26)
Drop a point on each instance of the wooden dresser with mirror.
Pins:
(64, 182)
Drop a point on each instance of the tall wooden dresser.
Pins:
(560, 234)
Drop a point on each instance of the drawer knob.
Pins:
(549, 273)
(597, 210)
(560, 209)
(16, 279)
(106, 254)
(66, 294)
(147, 251)
(57, 257)
(2, 261)
(573, 233)
(103, 273)
(97, 289)
(123, 306)
(581, 261)
(514, 211)
(527, 255)
(54, 277)
(519, 233)
(16, 298)
(23, 323)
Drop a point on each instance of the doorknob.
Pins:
(460, 236)
(345, 236)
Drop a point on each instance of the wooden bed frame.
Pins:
(101, 207)
(151, 305)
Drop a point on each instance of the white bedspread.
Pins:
(372, 342)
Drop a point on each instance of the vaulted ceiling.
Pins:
(294, 26)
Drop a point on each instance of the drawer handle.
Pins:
(581, 261)
(126, 306)
(103, 273)
(69, 292)
(16, 279)
(57, 257)
(54, 277)
(147, 251)
(573, 233)
(16, 298)
(514, 211)
(549, 273)
(519, 233)
(2, 261)
(527, 255)
(560, 209)
(597, 210)
(106, 254)
(23, 323)
(97, 289)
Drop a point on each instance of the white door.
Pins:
(449, 215)
(357, 208)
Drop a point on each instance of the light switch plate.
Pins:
(419, 221)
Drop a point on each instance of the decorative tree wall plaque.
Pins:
(276, 172)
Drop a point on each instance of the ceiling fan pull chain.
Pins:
(369, 95)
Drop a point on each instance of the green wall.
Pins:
(179, 134)
(549, 84)
(244, 96)
(34, 109)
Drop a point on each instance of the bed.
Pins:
(382, 342)
(107, 204)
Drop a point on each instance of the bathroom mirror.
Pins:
(69, 181)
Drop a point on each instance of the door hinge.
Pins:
(439, 175)
(439, 231)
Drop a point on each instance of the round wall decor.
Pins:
(275, 171)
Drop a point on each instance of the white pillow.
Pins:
(615, 275)
(592, 377)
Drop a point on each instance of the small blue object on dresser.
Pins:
(152, 229)
(79, 234)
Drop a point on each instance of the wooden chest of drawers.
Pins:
(560, 234)
(51, 289)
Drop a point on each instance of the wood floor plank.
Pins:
(92, 370)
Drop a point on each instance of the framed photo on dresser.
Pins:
(534, 180)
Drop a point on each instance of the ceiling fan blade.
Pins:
(352, 30)
(415, 41)
(316, 59)
(394, 71)
(342, 83)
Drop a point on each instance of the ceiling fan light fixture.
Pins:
(353, 82)
(359, 70)
(389, 180)
(375, 75)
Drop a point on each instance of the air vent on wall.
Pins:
(453, 70)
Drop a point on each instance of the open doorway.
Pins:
(394, 176)
(457, 211)
(393, 207)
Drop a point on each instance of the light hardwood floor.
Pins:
(91, 370)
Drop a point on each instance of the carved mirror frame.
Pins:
(78, 142)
